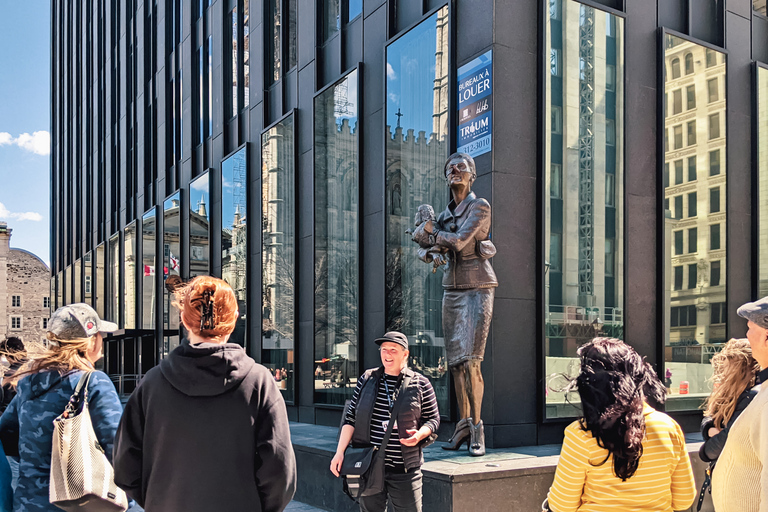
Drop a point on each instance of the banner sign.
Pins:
(475, 100)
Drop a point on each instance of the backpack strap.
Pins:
(393, 415)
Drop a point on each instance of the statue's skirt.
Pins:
(466, 321)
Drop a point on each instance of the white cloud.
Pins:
(391, 72)
(201, 184)
(394, 98)
(38, 143)
(225, 183)
(6, 214)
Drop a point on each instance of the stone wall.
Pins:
(24, 275)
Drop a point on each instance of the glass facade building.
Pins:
(627, 174)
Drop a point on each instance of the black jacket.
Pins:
(206, 430)
(713, 446)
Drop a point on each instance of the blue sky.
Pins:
(25, 123)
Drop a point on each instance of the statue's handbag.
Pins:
(363, 468)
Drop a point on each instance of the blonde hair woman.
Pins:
(735, 377)
(44, 385)
(207, 429)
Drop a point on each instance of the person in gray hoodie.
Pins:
(207, 429)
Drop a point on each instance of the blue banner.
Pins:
(475, 86)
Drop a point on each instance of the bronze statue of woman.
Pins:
(459, 239)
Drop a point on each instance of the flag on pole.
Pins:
(174, 262)
(149, 271)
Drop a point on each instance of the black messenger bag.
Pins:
(363, 468)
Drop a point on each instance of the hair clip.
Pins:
(206, 311)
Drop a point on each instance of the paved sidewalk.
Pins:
(297, 506)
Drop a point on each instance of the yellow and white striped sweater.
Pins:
(740, 479)
(663, 481)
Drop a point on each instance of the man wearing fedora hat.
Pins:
(416, 422)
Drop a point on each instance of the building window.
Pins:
(714, 162)
(682, 316)
(354, 9)
(336, 159)
(234, 242)
(692, 204)
(693, 238)
(87, 284)
(16, 301)
(274, 35)
(610, 258)
(610, 190)
(557, 119)
(46, 302)
(712, 90)
(555, 252)
(714, 237)
(714, 126)
(678, 172)
(149, 265)
(199, 248)
(717, 313)
(691, 132)
(331, 18)
(678, 278)
(232, 75)
(714, 200)
(610, 77)
(690, 97)
(666, 175)
(678, 133)
(675, 68)
(556, 181)
(44, 324)
(688, 63)
(692, 275)
(711, 58)
(691, 168)
(679, 207)
(610, 132)
(677, 101)
(15, 323)
(714, 273)
(678, 243)
(554, 61)
(278, 251)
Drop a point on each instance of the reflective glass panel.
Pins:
(233, 17)
(278, 253)
(101, 282)
(584, 218)
(336, 241)
(355, 9)
(67, 285)
(759, 6)
(129, 279)
(274, 46)
(171, 270)
(199, 230)
(417, 148)
(88, 278)
(762, 177)
(77, 284)
(148, 260)
(115, 296)
(292, 43)
(234, 235)
(246, 55)
(59, 290)
(331, 18)
(692, 290)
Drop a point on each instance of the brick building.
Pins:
(24, 291)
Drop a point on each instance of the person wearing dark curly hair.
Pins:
(621, 454)
(207, 429)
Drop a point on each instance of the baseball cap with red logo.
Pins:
(77, 321)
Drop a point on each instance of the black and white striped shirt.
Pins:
(381, 414)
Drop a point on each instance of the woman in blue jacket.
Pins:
(44, 385)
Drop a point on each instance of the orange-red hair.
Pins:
(190, 301)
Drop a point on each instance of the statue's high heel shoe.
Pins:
(460, 435)
(477, 439)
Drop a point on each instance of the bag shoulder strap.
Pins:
(74, 400)
(393, 414)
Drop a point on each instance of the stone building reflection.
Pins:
(695, 217)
